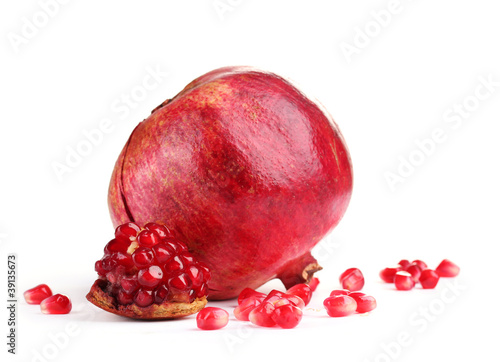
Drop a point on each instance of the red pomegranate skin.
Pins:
(248, 171)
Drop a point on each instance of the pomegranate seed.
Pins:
(365, 303)
(415, 271)
(336, 292)
(340, 306)
(175, 264)
(162, 253)
(294, 299)
(403, 281)
(404, 263)
(429, 279)
(303, 291)
(161, 293)
(313, 284)
(420, 263)
(143, 298)
(150, 277)
(162, 231)
(352, 279)
(180, 282)
(129, 284)
(262, 315)
(274, 295)
(127, 231)
(387, 274)
(143, 257)
(242, 311)
(124, 298)
(56, 304)
(287, 316)
(211, 318)
(116, 245)
(37, 294)
(148, 238)
(249, 292)
(447, 269)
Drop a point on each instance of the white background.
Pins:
(428, 57)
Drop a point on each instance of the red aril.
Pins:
(37, 294)
(303, 291)
(313, 284)
(403, 281)
(365, 303)
(339, 292)
(340, 306)
(249, 292)
(415, 271)
(236, 148)
(242, 311)
(352, 279)
(287, 316)
(388, 274)
(56, 304)
(447, 269)
(404, 263)
(262, 315)
(211, 318)
(422, 265)
(429, 279)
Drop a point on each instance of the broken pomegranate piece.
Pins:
(148, 274)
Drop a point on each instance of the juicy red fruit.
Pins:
(211, 318)
(364, 303)
(429, 279)
(447, 269)
(404, 281)
(56, 304)
(248, 292)
(352, 279)
(388, 274)
(301, 290)
(37, 294)
(340, 306)
(262, 315)
(287, 316)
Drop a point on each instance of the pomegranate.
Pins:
(37, 294)
(56, 304)
(248, 171)
(340, 306)
(211, 318)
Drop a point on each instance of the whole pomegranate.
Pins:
(247, 171)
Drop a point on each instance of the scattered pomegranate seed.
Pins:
(447, 269)
(127, 232)
(303, 291)
(388, 274)
(56, 304)
(415, 271)
(352, 279)
(420, 263)
(339, 292)
(365, 303)
(242, 311)
(294, 299)
(429, 279)
(404, 263)
(249, 292)
(287, 316)
(313, 284)
(262, 315)
(211, 318)
(403, 281)
(340, 306)
(148, 238)
(37, 294)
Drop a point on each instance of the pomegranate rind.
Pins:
(166, 310)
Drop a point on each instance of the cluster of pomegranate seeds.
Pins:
(49, 304)
(282, 309)
(352, 279)
(211, 318)
(407, 274)
(150, 266)
(343, 302)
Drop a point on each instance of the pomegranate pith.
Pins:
(56, 304)
(37, 294)
(149, 274)
(211, 318)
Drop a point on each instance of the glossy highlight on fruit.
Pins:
(56, 304)
(146, 273)
(352, 279)
(340, 306)
(211, 318)
(447, 269)
(246, 170)
(37, 294)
